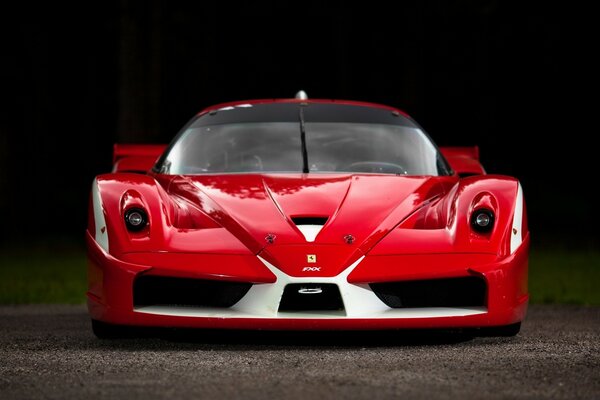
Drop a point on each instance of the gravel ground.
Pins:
(50, 352)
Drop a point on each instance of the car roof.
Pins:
(241, 103)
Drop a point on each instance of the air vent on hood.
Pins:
(309, 220)
(309, 226)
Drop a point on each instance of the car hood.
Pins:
(261, 210)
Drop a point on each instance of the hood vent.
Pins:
(309, 226)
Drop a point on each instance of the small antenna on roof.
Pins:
(301, 95)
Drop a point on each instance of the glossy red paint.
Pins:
(215, 227)
(135, 157)
(464, 160)
(137, 150)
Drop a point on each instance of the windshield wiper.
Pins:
(303, 141)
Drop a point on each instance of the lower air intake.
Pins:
(452, 292)
(149, 290)
(311, 297)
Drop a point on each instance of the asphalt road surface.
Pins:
(50, 352)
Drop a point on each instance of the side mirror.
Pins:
(137, 158)
(464, 160)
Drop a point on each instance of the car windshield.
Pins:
(339, 138)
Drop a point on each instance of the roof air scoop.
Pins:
(301, 95)
(309, 226)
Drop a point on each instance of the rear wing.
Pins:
(464, 160)
(139, 158)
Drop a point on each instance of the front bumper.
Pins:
(111, 282)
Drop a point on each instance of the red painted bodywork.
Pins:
(136, 157)
(214, 227)
(464, 160)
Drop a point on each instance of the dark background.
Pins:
(76, 78)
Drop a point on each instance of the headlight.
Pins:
(136, 219)
(482, 220)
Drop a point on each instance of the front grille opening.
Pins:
(150, 290)
(309, 220)
(311, 297)
(453, 292)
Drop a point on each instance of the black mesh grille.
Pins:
(158, 290)
(311, 297)
(452, 292)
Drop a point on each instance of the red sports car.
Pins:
(305, 214)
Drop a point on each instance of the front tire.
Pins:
(104, 330)
(503, 331)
